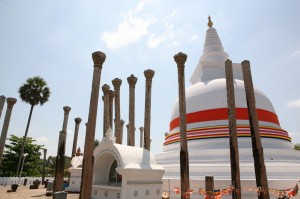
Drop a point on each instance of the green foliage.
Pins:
(96, 143)
(34, 91)
(50, 166)
(32, 164)
(297, 147)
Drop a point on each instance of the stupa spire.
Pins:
(210, 23)
(213, 52)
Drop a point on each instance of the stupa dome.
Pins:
(208, 131)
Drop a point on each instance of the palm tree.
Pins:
(34, 91)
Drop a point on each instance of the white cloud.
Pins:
(42, 140)
(129, 31)
(293, 104)
(295, 54)
(139, 7)
(193, 38)
(155, 40)
(173, 14)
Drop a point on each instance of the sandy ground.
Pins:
(24, 192)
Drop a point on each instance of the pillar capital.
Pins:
(78, 120)
(111, 95)
(98, 58)
(67, 109)
(122, 122)
(180, 59)
(117, 83)
(105, 89)
(141, 129)
(11, 101)
(149, 74)
(131, 80)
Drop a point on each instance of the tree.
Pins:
(34, 91)
(297, 147)
(96, 143)
(32, 164)
(50, 166)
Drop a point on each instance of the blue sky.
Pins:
(55, 40)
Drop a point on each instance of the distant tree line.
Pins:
(33, 164)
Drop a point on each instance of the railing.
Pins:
(8, 181)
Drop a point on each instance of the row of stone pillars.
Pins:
(60, 158)
(109, 96)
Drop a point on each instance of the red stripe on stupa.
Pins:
(222, 114)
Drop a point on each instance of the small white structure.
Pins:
(124, 172)
(75, 173)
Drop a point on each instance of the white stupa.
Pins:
(207, 130)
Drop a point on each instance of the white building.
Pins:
(125, 172)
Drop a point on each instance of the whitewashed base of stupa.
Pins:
(75, 180)
(169, 184)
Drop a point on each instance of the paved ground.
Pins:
(24, 192)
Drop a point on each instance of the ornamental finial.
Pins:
(210, 23)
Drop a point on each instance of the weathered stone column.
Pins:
(77, 123)
(105, 89)
(128, 134)
(103, 117)
(44, 166)
(131, 81)
(233, 140)
(121, 127)
(60, 162)
(111, 107)
(180, 59)
(10, 104)
(2, 102)
(117, 84)
(67, 110)
(60, 157)
(149, 74)
(258, 155)
(141, 136)
(87, 171)
(209, 186)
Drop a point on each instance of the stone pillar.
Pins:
(233, 140)
(10, 104)
(103, 117)
(131, 81)
(257, 149)
(209, 186)
(105, 89)
(67, 110)
(77, 123)
(147, 120)
(87, 171)
(44, 166)
(180, 60)
(60, 162)
(117, 84)
(128, 135)
(2, 102)
(111, 108)
(121, 126)
(141, 136)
